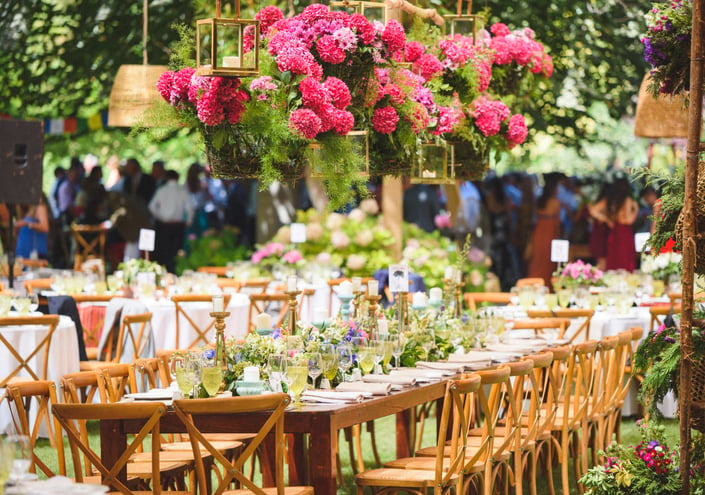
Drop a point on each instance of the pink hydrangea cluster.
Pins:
(521, 48)
(214, 98)
(272, 249)
(394, 36)
(489, 115)
(446, 119)
(385, 119)
(456, 51)
(324, 108)
(428, 66)
(517, 130)
(261, 86)
(579, 270)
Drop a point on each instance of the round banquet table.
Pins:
(63, 355)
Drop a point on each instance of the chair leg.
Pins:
(373, 439)
(564, 463)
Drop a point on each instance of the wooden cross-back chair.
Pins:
(442, 470)
(89, 242)
(583, 318)
(529, 281)
(92, 329)
(228, 284)
(182, 304)
(20, 397)
(21, 358)
(277, 304)
(195, 412)
(71, 415)
(220, 271)
(135, 332)
(37, 284)
(473, 300)
(635, 333)
(659, 314)
(540, 325)
(254, 285)
(115, 380)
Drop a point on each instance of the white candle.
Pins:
(218, 303)
(373, 288)
(320, 315)
(263, 321)
(449, 272)
(345, 288)
(383, 326)
(251, 374)
(458, 277)
(291, 284)
(232, 62)
(356, 284)
(418, 299)
(436, 294)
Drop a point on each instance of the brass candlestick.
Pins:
(372, 305)
(448, 292)
(357, 301)
(292, 310)
(458, 301)
(403, 309)
(220, 336)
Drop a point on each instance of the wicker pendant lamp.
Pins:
(662, 117)
(135, 87)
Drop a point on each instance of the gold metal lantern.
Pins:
(464, 22)
(373, 11)
(220, 47)
(435, 164)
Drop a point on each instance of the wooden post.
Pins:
(393, 210)
(697, 53)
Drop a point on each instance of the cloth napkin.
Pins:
(392, 379)
(331, 397)
(363, 387)
(451, 368)
(518, 349)
(473, 360)
(419, 374)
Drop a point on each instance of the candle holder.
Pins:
(372, 305)
(403, 310)
(345, 306)
(458, 301)
(418, 308)
(448, 294)
(219, 325)
(436, 305)
(356, 302)
(293, 294)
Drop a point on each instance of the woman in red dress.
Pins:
(618, 210)
(548, 227)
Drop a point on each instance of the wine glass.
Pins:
(427, 340)
(315, 366)
(366, 358)
(276, 365)
(178, 366)
(564, 298)
(398, 345)
(297, 373)
(329, 364)
(33, 302)
(21, 302)
(21, 455)
(5, 304)
(379, 352)
(345, 357)
(211, 377)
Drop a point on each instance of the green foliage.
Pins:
(211, 250)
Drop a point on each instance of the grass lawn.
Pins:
(385, 431)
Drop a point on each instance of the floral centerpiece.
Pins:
(662, 265)
(667, 46)
(578, 273)
(131, 268)
(276, 252)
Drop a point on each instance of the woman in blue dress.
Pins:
(32, 230)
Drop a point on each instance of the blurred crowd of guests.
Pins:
(513, 218)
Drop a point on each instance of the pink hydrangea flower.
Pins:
(517, 134)
(393, 36)
(314, 12)
(395, 93)
(164, 84)
(339, 92)
(428, 66)
(500, 29)
(267, 17)
(329, 51)
(365, 31)
(181, 85)
(384, 120)
(344, 122)
(313, 94)
(346, 39)
(292, 256)
(305, 123)
(413, 50)
(264, 83)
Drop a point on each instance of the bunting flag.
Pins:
(72, 125)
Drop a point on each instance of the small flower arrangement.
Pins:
(579, 273)
(276, 252)
(649, 467)
(132, 267)
(667, 46)
(662, 265)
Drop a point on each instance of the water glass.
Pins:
(297, 373)
(5, 304)
(315, 366)
(345, 357)
(22, 304)
(276, 366)
(329, 364)
(20, 451)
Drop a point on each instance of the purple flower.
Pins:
(209, 354)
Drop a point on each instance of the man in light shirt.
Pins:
(172, 211)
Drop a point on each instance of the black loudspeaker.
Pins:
(21, 153)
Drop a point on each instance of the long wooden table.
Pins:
(321, 421)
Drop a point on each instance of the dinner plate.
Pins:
(156, 394)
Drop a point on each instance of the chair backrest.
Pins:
(497, 382)
(37, 284)
(254, 285)
(605, 374)
(20, 397)
(89, 243)
(70, 415)
(268, 303)
(529, 281)
(24, 358)
(151, 373)
(537, 390)
(454, 424)
(474, 299)
(580, 380)
(539, 325)
(659, 314)
(79, 387)
(621, 380)
(231, 284)
(220, 271)
(183, 306)
(520, 376)
(116, 380)
(199, 411)
(583, 328)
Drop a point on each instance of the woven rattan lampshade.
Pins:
(134, 91)
(662, 117)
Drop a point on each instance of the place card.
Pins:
(146, 241)
(399, 278)
(298, 233)
(560, 250)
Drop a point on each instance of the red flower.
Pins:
(428, 66)
(339, 92)
(164, 84)
(267, 17)
(394, 36)
(363, 28)
(305, 123)
(668, 247)
(500, 29)
(313, 94)
(413, 50)
(329, 51)
(384, 120)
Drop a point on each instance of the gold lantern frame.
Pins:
(420, 174)
(316, 173)
(460, 18)
(361, 7)
(213, 24)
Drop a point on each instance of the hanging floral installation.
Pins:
(325, 73)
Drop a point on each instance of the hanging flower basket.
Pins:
(470, 164)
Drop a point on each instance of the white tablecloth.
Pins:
(63, 355)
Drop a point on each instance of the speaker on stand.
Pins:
(21, 154)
